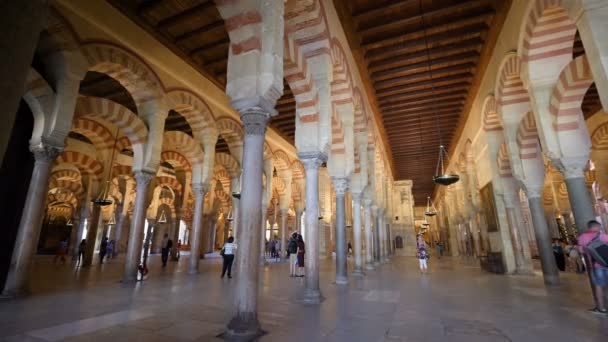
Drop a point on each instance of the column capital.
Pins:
(44, 153)
(312, 160)
(571, 167)
(533, 190)
(510, 199)
(340, 185)
(357, 196)
(368, 203)
(200, 189)
(255, 120)
(143, 178)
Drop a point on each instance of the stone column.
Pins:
(376, 236)
(357, 233)
(174, 234)
(369, 260)
(578, 195)
(311, 162)
(92, 236)
(199, 191)
(382, 235)
(31, 220)
(22, 21)
(543, 238)
(136, 233)
(516, 238)
(84, 214)
(235, 216)
(299, 221)
(245, 320)
(340, 188)
(283, 230)
(263, 234)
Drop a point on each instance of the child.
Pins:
(422, 258)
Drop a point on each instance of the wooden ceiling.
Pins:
(421, 107)
(195, 31)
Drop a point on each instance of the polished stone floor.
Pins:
(456, 301)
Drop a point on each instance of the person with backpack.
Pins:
(227, 254)
(423, 256)
(594, 245)
(292, 250)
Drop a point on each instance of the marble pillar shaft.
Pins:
(376, 237)
(199, 191)
(263, 234)
(369, 260)
(518, 251)
(543, 239)
(382, 236)
(283, 232)
(357, 233)
(136, 232)
(312, 292)
(341, 246)
(580, 201)
(31, 221)
(92, 236)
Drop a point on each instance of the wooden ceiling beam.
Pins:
(209, 46)
(149, 6)
(423, 75)
(456, 78)
(423, 107)
(383, 8)
(184, 15)
(429, 100)
(469, 56)
(425, 93)
(447, 115)
(199, 30)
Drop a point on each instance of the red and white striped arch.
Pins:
(491, 120)
(66, 185)
(599, 137)
(176, 159)
(297, 170)
(83, 162)
(229, 163)
(99, 135)
(126, 67)
(510, 87)
(68, 175)
(171, 182)
(527, 138)
(128, 122)
(281, 160)
(119, 170)
(568, 94)
(194, 109)
(503, 162)
(184, 144)
(231, 131)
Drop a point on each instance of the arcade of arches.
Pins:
(202, 120)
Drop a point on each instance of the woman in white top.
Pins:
(228, 255)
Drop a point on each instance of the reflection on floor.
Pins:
(455, 302)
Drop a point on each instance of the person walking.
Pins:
(560, 257)
(227, 254)
(301, 251)
(179, 247)
(423, 256)
(81, 248)
(165, 249)
(110, 249)
(594, 245)
(103, 249)
(292, 252)
(61, 251)
(438, 249)
(273, 248)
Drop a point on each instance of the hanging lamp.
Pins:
(104, 196)
(440, 177)
(430, 207)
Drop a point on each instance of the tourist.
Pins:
(61, 251)
(591, 243)
(292, 252)
(278, 248)
(227, 254)
(178, 247)
(165, 249)
(273, 248)
(574, 257)
(558, 253)
(350, 248)
(422, 259)
(301, 251)
(81, 249)
(103, 249)
(110, 249)
(439, 249)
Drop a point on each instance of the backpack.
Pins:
(170, 243)
(292, 247)
(598, 250)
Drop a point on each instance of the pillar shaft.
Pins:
(376, 237)
(299, 221)
(369, 260)
(543, 238)
(263, 235)
(199, 191)
(340, 187)
(245, 319)
(357, 233)
(518, 251)
(580, 201)
(136, 233)
(31, 221)
(92, 235)
(311, 162)
(283, 232)
(382, 235)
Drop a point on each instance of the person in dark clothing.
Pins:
(301, 251)
(103, 249)
(228, 255)
(166, 248)
(81, 248)
(292, 252)
(560, 257)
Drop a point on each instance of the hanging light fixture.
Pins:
(229, 217)
(163, 217)
(69, 223)
(112, 220)
(430, 207)
(104, 196)
(440, 177)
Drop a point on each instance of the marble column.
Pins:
(299, 221)
(22, 22)
(263, 234)
(382, 236)
(92, 236)
(244, 322)
(340, 188)
(579, 197)
(543, 238)
(376, 236)
(283, 232)
(79, 227)
(235, 217)
(31, 220)
(311, 162)
(357, 233)
(174, 234)
(518, 250)
(369, 260)
(199, 191)
(136, 232)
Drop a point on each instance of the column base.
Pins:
(369, 266)
(13, 294)
(357, 273)
(312, 296)
(193, 271)
(524, 272)
(376, 263)
(551, 280)
(243, 327)
(341, 280)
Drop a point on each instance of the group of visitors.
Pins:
(295, 250)
(567, 255)
(593, 245)
(273, 248)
